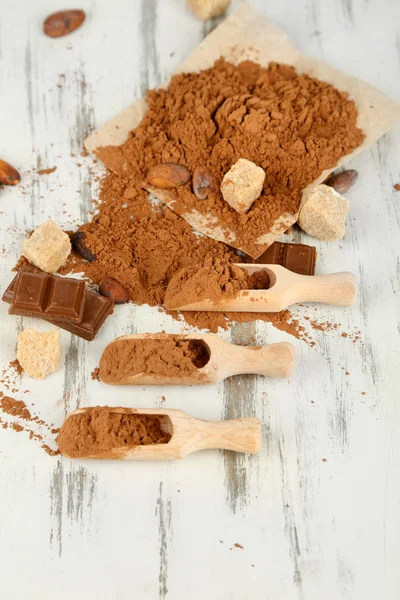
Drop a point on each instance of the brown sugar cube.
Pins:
(208, 9)
(48, 247)
(242, 184)
(324, 214)
(39, 352)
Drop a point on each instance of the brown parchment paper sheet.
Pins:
(247, 34)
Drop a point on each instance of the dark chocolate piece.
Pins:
(298, 258)
(95, 311)
(41, 294)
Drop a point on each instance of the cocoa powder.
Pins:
(18, 409)
(16, 366)
(164, 357)
(214, 280)
(15, 408)
(292, 125)
(95, 374)
(99, 430)
(143, 244)
(140, 245)
(212, 321)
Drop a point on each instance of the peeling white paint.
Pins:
(312, 528)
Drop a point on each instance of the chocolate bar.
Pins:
(8, 295)
(95, 310)
(298, 258)
(41, 294)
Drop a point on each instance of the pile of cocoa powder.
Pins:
(292, 125)
(142, 245)
(99, 430)
(163, 357)
(214, 280)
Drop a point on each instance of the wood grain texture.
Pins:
(223, 360)
(286, 289)
(317, 512)
(188, 435)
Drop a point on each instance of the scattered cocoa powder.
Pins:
(166, 357)
(323, 326)
(212, 321)
(214, 280)
(49, 450)
(17, 427)
(18, 409)
(16, 366)
(10, 377)
(292, 125)
(95, 374)
(15, 408)
(99, 430)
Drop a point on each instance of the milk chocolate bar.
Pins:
(95, 310)
(9, 293)
(41, 294)
(298, 258)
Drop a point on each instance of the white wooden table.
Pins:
(310, 528)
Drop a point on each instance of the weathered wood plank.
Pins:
(311, 528)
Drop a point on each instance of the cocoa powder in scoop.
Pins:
(292, 125)
(165, 357)
(99, 430)
(214, 280)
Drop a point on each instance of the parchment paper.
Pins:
(247, 34)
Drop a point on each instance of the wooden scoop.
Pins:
(220, 360)
(188, 435)
(287, 288)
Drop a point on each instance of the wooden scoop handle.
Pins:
(239, 435)
(338, 289)
(274, 360)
